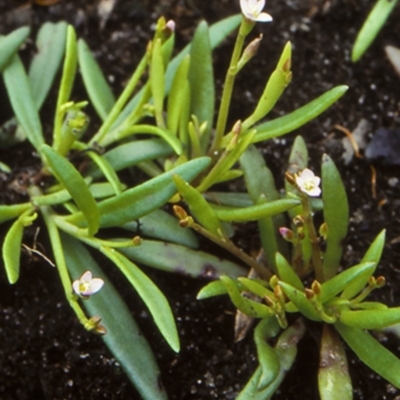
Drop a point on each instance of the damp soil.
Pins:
(46, 354)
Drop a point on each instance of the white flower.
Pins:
(308, 183)
(86, 285)
(252, 10)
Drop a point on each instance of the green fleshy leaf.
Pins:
(199, 207)
(260, 184)
(373, 254)
(157, 81)
(371, 353)
(201, 80)
(246, 306)
(182, 260)
(290, 122)
(336, 215)
(334, 381)
(286, 273)
(257, 287)
(212, 289)
(335, 285)
(371, 27)
(300, 300)
(13, 211)
(256, 212)
(163, 226)
(22, 101)
(370, 319)
(150, 294)
(67, 82)
(267, 356)
(132, 153)
(10, 44)
(274, 88)
(12, 245)
(50, 43)
(123, 337)
(145, 198)
(97, 87)
(72, 180)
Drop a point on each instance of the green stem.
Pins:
(122, 100)
(236, 251)
(62, 266)
(316, 251)
(244, 30)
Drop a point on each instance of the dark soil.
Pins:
(46, 354)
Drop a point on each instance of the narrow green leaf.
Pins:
(72, 180)
(132, 153)
(157, 81)
(246, 306)
(200, 209)
(13, 211)
(10, 44)
(288, 123)
(22, 101)
(201, 80)
(67, 82)
(336, 215)
(274, 88)
(256, 212)
(212, 289)
(176, 96)
(286, 273)
(334, 381)
(267, 356)
(256, 287)
(163, 226)
(12, 250)
(145, 198)
(373, 254)
(371, 27)
(260, 184)
(150, 294)
(300, 300)
(50, 44)
(335, 285)
(12, 245)
(97, 87)
(370, 319)
(182, 260)
(123, 337)
(229, 199)
(371, 353)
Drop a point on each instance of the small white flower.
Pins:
(308, 183)
(86, 285)
(252, 10)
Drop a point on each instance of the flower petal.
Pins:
(96, 284)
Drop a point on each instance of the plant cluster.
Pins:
(185, 150)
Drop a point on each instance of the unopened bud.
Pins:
(309, 294)
(323, 230)
(290, 178)
(137, 241)
(298, 221)
(380, 281)
(274, 281)
(316, 287)
(180, 212)
(249, 52)
(286, 233)
(170, 26)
